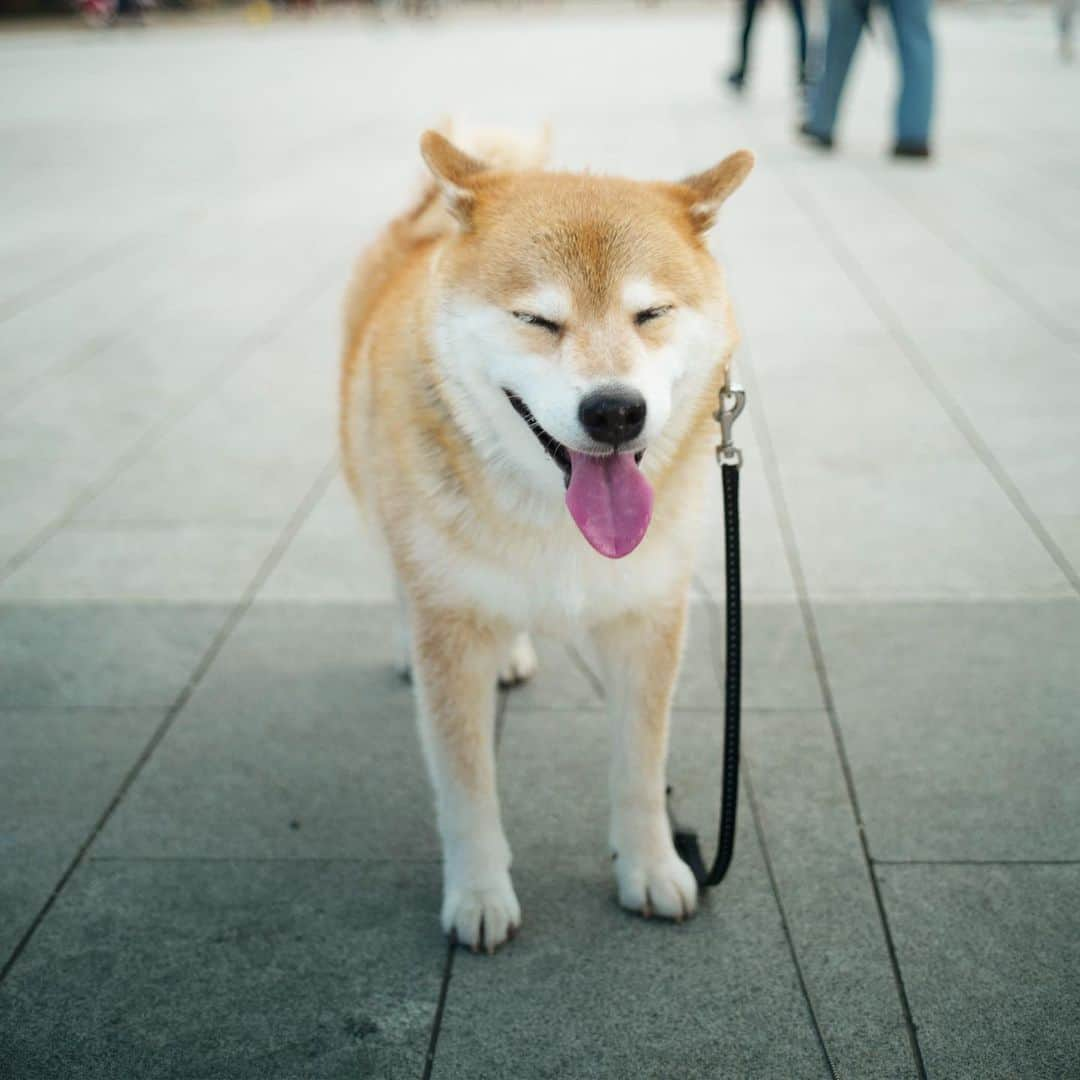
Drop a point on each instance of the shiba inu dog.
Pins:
(531, 361)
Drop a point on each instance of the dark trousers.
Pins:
(749, 11)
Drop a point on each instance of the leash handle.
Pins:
(687, 846)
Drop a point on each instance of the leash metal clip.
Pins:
(732, 403)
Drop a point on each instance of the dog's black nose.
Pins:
(613, 416)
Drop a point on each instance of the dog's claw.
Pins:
(482, 919)
(663, 889)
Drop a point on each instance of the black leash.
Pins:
(732, 402)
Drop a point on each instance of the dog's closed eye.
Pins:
(537, 320)
(649, 314)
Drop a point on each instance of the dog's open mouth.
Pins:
(607, 495)
(552, 447)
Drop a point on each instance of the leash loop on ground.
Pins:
(687, 846)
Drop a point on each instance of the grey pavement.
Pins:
(217, 854)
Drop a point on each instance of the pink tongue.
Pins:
(610, 501)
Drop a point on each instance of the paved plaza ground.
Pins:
(217, 857)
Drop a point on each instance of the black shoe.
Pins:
(906, 148)
(737, 80)
(815, 138)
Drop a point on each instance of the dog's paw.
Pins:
(661, 885)
(482, 916)
(520, 663)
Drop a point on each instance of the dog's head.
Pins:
(581, 318)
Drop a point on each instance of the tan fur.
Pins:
(488, 237)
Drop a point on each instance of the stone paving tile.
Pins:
(999, 240)
(553, 779)
(37, 344)
(901, 532)
(1034, 440)
(335, 557)
(990, 956)
(589, 990)
(164, 488)
(58, 772)
(887, 499)
(906, 258)
(274, 402)
(553, 782)
(300, 742)
(610, 994)
(778, 670)
(122, 655)
(986, 344)
(261, 970)
(79, 428)
(960, 724)
(822, 877)
(25, 886)
(34, 500)
(190, 563)
(80, 412)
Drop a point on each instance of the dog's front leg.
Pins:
(455, 662)
(640, 656)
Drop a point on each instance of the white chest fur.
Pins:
(552, 581)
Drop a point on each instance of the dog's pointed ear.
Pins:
(454, 172)
(706, 191)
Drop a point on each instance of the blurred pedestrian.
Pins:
(915, 49)
(1065, 10)
(737, 78)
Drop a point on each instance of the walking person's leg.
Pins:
(738, 76)
(799, 15)
(915, 44)
(1065, 10)
(845, 25)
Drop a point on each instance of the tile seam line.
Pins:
(213, 650)
(783, 518)
(946, 401)
(350, 860)
(152, 435)
(590, 676)
(594, 709)
(156, 525)
(781, 911)
(977, 862)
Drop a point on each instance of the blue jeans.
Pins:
(911, 21)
